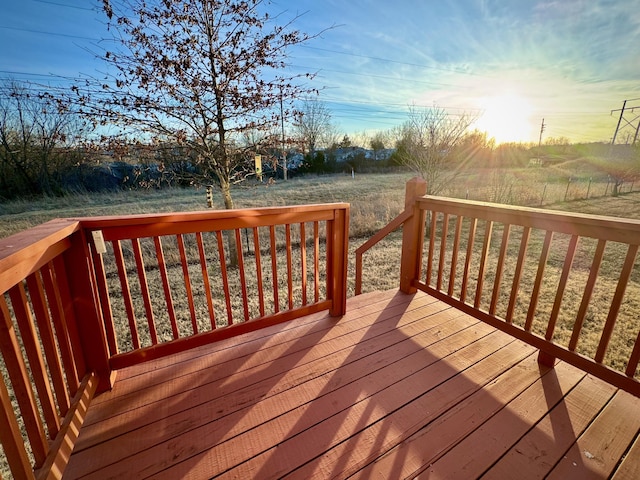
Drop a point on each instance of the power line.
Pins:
(42, 32)
(65, 5)
(383, 77)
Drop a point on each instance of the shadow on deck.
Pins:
(401, 386)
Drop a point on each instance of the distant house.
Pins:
(349, 153)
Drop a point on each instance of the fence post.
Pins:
(86, 311)
(338, 260)
(412, 235)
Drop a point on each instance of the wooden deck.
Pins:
(402, 386)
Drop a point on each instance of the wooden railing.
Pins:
(178, 279)
(81, 298)
(565, 283)
(47, 377)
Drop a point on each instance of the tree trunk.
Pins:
(226, 194)
(232, 247)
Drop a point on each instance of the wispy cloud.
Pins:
(573, 60)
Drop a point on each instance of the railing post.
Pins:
(86, 310)
(337, 276)
(412, 235)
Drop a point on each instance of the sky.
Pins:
(509, 63)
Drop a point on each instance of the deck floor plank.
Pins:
(509, 367)
(500, 432)
(629, 468)
(468, 428)
(343, 424)
(401, 386)
(542, 448)
(598, 450)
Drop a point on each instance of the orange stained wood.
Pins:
(401, 386)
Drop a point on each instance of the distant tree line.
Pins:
(49, 148)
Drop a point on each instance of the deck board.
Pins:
(401, 386)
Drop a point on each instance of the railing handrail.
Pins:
(614, 229)
(393, 225)
(414, 189)
(25, 252)
(177, 217)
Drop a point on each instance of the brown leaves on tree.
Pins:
(197, 73)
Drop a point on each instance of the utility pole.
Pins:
(615, 134)
(284, 152)
(627, 121)
(542, 125)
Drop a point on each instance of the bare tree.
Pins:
(313, 124)
(197, 73)
(35, 140)
(377, 144)
(429, 142)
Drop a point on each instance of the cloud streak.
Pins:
(572, 60)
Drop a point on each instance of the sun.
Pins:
(506, 118)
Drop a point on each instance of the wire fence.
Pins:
(515, 191)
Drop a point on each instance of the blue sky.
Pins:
(512, 63)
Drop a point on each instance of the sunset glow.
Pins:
(506, 118)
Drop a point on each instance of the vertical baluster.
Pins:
(25, 396)
(454, 255)
(12, 442)
(632, 366)
(61, 328)
(467, 261)
(274, 268)
(586, 296)
(126, 293)
(562, 284)
(32, 349)
(56, 285)
(144, 289)
(488, 230)
(256, 249)
(535, 294)
(105, 302)
(162, 266)
(303, 259)
(517, 276)
(432, 242)
(225, 278)
(47, 337)
(187, 282)
(498, 279)
(316, 261)
(289, 266)
(443, 249)
(205, 279)
(243, 280)
(627, 268)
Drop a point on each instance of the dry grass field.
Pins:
(375, 200)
